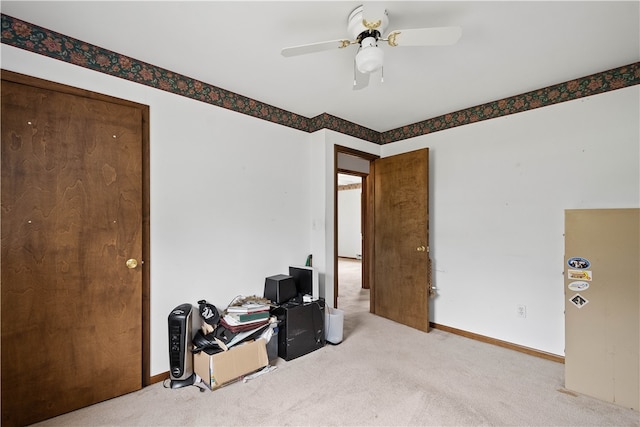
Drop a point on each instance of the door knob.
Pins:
(132, 263)
(421, 249)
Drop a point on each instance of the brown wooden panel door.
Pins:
(71, 218)
(401, 217)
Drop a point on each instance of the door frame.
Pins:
(367, 221)
(145, 310)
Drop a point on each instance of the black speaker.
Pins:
(300, 328)
(180, 356)
(280, 288)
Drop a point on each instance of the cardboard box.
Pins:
(221, 368)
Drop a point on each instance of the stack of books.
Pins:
(245, 317)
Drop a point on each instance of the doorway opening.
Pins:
(395, 232)
(352, 294)
(352, 170)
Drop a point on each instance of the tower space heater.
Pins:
(180, 357)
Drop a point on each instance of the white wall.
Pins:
(229, 205)
(499, 189)
(349, 223)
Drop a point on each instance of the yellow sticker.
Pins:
(579, 275)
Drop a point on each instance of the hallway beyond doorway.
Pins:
(351, 296)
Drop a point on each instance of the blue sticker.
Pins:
(577, 262)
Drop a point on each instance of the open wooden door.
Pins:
(72, 246)
(401, 246)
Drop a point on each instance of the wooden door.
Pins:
(401, 243)
(71, 218)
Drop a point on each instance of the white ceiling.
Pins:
(507, 48)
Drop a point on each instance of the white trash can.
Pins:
(333, 325)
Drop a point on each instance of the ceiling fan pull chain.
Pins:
(354, 73)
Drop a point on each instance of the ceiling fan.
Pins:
(367, 25)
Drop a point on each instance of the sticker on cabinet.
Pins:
(579, 275)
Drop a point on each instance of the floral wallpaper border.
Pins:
(33, 38)
(594, 84)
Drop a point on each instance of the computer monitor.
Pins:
(306, 279)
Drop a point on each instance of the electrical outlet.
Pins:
(521, 310)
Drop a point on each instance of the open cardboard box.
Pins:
(226, 366)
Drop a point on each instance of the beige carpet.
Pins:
(382, 374)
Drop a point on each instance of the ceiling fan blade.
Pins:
(314, 47)
(438, 36)
(360, 80)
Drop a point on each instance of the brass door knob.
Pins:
(132, 263)
(421, 249)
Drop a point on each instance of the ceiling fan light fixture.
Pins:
(370, 57)
(366, 26)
